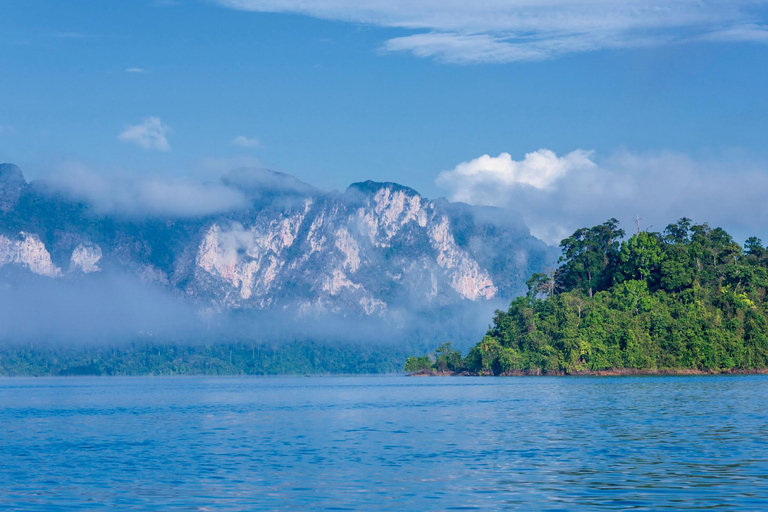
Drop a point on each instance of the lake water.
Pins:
(384, 443)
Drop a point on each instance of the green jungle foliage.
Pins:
(689, 298)
(295, 358)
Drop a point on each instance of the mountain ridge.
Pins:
(376, 250)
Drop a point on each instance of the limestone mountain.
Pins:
(374, 250)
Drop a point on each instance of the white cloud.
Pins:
(141, 196)
(540, 170)
(463, 49)
(232, 241)
(745, 33)
(151, 134)
(136, 70)
(245, 142)
(463, 31)
(556, 195)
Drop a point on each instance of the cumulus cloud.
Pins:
(522, 30)
(139, 196)
(150, 134)
(245, 142)
(540, 170)
(558, 194)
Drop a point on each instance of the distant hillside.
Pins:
(377, 250)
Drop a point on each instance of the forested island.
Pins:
(686, 300)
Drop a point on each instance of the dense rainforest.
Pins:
(300, 357)
(687, 299)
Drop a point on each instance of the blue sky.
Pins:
(395, 91)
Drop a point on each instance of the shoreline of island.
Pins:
(686, 301)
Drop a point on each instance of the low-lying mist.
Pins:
(112, 308)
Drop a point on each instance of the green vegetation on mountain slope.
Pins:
(686, 299)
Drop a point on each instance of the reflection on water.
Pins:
(384, 443)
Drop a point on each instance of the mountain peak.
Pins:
(11, 172)
(371, 187)
(260, 183)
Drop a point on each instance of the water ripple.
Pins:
(373, 443)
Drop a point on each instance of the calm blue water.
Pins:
(384, 443)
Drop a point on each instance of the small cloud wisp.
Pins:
(150, 134)
(245, 142)
(143, 196)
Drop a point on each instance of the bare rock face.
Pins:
(376, 249)
(12, 183)
(85, 258)
(28, 251)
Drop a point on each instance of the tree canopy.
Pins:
(687, 298)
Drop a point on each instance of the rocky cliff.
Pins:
(374, 250)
